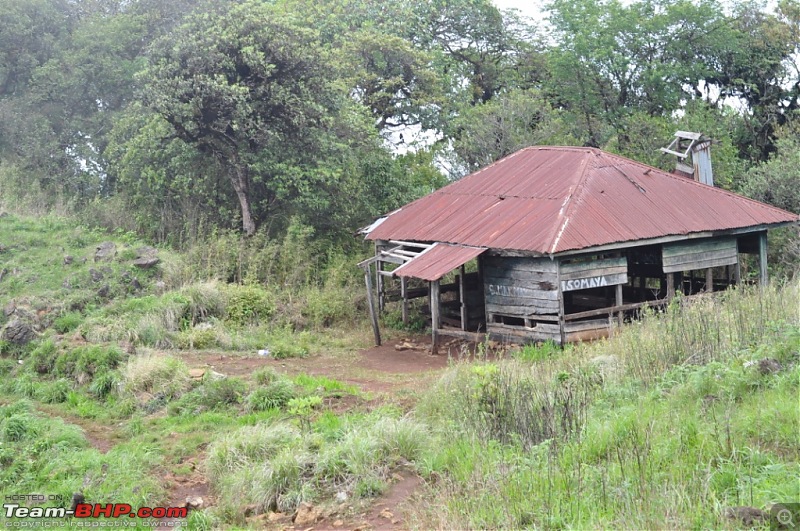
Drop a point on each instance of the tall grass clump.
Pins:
(698, 416)
(705, 329)
(277, 466)
(149, 376)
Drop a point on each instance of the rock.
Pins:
(769, 366)
(306, 514)
(66, 284)
(386, 513)
(404, 346)
(104, 291)
(341, 496)
(197, 374)
(397, 477)
(146, 262)
(3, 248)
(749, 516)
(161, 286)
(105, 252)
(338, 523)
(277, 517)
(125, 276)
(145, 251)
(135, 285)
(18, 332)
(68, 259)
(250, 510)
(10, 308)
(95, 275)
(194, 502)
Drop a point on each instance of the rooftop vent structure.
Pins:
(686, 144)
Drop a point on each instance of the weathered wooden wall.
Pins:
(699, 254)
(524, 288)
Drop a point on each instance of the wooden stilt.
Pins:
(436, 320)
(709, 279)
(620, 314)
(737, 272)
(762, 258)
(462, 297)
(670, 286)
(371, 302)
(404, 295)
(381, 285)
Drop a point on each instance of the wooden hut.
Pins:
(561, 243)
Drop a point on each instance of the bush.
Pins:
(213, 394)
(54, 392)
(43, 357)
(67, 322)
(266, 375)
(248, 304)
(274, 395)
(83, 363)
(165, 377)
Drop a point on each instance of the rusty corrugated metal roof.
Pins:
(554, 199)
(437, 261)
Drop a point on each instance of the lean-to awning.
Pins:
(437, 261)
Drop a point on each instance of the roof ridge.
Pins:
(568, 204)
(702, 186)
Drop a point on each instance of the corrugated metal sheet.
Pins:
(554, 199)
(437, 261)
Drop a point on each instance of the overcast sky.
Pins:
(531, 8)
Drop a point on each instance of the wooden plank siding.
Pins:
(699, 254)
(520, 287)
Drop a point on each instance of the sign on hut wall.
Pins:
(520, 286)
(594, 273)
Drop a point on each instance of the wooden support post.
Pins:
(561, 312)
(620, 314)
(381, 285)
(762, 258)
(670, 286)
(404, 295)
(709, 279)
(737, 272)
(436, 320)
(462, 292)
(371, 302)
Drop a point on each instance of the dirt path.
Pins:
(101, 437)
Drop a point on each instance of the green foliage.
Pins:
(67, 322)
(248, 304)
(82, 364)
(211, 395)
(274, 395)
(43, 358)
(265, 375)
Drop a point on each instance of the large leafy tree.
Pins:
(249, 88)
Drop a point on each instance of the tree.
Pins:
(509, 122)
(245, 86)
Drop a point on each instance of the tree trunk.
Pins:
(241, 184)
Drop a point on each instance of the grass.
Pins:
(633, 432)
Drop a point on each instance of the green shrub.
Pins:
(67, 322)
(54, 392)
(7, 366)
(248, 446)
(104, 383)
(43, 357)
(248, 304)
(265, 375)
(273, 395)
(18, 427)
(212, 394)
(83, 363)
